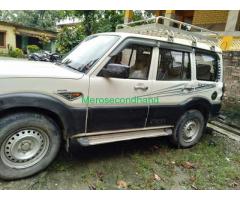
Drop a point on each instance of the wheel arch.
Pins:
(30, 109)
(62, 114)
(200, 104)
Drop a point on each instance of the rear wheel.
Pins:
(189, 129)
(28, 144)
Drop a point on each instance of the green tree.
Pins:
(108, 20)
(95, 21)
(90, 22)
(35, 18)
(69, 37)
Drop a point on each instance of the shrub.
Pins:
(32, 48)
(16, 53)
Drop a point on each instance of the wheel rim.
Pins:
(190, 130)
(24, 148)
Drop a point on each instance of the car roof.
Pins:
(200, 45)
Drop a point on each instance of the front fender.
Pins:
(72, 119)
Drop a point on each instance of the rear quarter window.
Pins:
(206, 66)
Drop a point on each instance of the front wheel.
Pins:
(189, 129)
(28, 144)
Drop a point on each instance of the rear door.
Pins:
(173, 84)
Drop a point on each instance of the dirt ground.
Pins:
(142, 164)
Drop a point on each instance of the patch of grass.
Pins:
(232, 112)
(214, 167)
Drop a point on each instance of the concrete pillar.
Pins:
(128, 15)
(169, 14)
(232, 20)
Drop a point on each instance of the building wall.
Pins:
(210, 17)
(232, 76)
(10, 38)
(214, 19)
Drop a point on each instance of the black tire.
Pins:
(10, 127)
(179, 137)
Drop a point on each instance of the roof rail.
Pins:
(175, 29)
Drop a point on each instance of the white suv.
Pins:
(89, 97)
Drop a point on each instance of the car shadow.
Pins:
(116, 149)
(113, 150)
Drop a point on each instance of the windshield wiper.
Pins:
(86, 67)
(66, 63)
(69, 66)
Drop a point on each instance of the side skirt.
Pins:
(88, 139)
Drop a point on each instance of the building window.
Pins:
(2, 39)
(173, 65)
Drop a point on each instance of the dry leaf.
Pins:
(234, 184)
(228, 159)
(194, 187)
(157, 178)
(92, 187)
(121, 184)
(100, 175)
(155, 147)
(193, 178)
(188, 165)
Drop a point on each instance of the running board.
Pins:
(89, 140)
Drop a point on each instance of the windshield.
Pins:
(88, 52)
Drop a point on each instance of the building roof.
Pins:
(27, 27)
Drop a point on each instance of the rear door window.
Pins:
(173, 65)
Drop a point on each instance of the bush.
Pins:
(16, 53)
(32, 48)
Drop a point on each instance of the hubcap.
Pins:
(24, 148)
(190, 130)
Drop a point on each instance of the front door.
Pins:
(114, 104)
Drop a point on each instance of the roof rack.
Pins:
(156, 26)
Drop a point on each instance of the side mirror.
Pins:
(115, 71)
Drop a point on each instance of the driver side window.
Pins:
(137, 58)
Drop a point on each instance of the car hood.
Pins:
(22, 68)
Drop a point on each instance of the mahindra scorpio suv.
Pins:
(89, 97)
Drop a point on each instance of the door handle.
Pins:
(141, 87)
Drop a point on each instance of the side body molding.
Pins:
(71, 119)
(169, 114)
